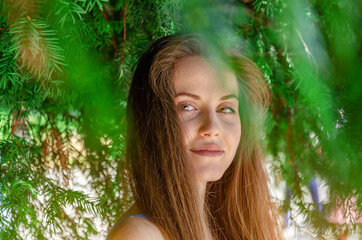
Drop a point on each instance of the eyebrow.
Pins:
(198, 98)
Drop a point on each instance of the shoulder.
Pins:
(135, 228)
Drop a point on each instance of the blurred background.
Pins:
(65, 70)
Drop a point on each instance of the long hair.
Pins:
(238, 205)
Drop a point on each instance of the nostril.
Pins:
(211, 133)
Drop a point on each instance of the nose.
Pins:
(209, 126)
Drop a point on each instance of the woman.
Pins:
(195, 162)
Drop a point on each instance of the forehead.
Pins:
(197, 74)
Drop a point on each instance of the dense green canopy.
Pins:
(65, 69)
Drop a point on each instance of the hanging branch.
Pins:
(124, 31)
(291, 154)
(45, 147)
(114, 44)
(15, 122)
(61, 154)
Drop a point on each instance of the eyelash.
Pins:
(182, 108)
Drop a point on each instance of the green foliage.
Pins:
(65, 68)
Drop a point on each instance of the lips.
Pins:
(209, 150)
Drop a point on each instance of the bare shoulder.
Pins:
(135, 228)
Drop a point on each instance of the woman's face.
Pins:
(207, 105)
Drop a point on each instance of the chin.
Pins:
(210, 169)
(205, 175)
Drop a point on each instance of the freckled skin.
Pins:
(206, 116)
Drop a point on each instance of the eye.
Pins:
(227, 110)
(186, 107)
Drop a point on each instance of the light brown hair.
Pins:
(238, 205)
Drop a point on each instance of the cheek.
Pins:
(233, 135)
(188, 129)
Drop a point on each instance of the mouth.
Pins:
(208, 150)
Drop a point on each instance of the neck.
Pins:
(201, 204)
(201, 188)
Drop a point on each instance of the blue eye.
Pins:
(226, 110)
(187, 107)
